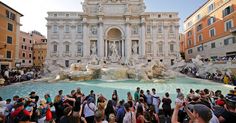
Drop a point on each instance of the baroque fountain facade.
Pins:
(114, 38)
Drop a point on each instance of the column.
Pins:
(143, 33)
(86, 42)
(122, 43)
(127, 40)
(100, 41)
(166, 40)
(154, 39)
(105, 48)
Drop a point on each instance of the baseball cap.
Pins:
(203, 111)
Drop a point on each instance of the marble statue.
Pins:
(135, 48)
(114, 53)
(100, 7)
(93, 49)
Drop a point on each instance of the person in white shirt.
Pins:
(129, 115)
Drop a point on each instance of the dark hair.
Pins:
(127, 106)
(8, 100)
(130, 103)
(191, 91)
(197, 91)
(167, 94)
(109, 109)
(139, 110)
(0, 98)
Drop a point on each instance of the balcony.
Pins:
(67, 54)
(79, 54)
(233, 30)
(56, 54)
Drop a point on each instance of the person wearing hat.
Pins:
(200, 114)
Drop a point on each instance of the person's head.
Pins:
(197, 91)
(68, 111)
(32, 94)
(141, 91)
(191, 91)
(178, 90)
(138, 89)
(153, 90)
(0, 98)
(72, 92)
(121, 103)
(230, 101)
(91, 92)
(148, 91)
(202, 113)
(167, 94)
(109, 104)
(127, 107)
(115, 92)
(112, 118)
(8, 101)
(60, 92)
(141, 100)
(46, 96)
(42, 102)
(15, 98)
(98, 116)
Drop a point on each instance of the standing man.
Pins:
(137, 94)
(155, 100)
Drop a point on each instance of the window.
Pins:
(199, 27)
(229, 40)
(10, 15)
(10, 27)
(9, 39)
(148, 47)
(228, 25)
(160, 28)
(213, 45)
(211, 7)
(189, 33)
(200, 38)
(29, 61)
(200, 48)
(55, 28)
(30, 41)
(54, 48)
(23, 61)
(79, 48)
(23, 39)
(67, 48)
(190, 51)
(67, 15)
(30, 55)
(198, 17)
(79, 28)
(227, 11)
(67, 63)
(22, 46)
(189, 43)
(8, 54)
(170, 16)
(67, 28)
(23, 54)
(212, 32)
(25, 47)
(211, 20)
(148, 29)
(171, 47)
(55, 15)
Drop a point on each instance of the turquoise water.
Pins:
(107, 87)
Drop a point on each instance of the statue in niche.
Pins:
(114, 52)
(135, 48)
(93, 49)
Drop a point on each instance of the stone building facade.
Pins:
(112, 30)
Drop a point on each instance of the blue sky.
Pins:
(35, 11)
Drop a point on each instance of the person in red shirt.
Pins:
(20, 114)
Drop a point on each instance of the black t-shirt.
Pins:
(77, 104)
(36, 98)
(229, 117)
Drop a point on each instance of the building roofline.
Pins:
(196, 10)
(11, 8)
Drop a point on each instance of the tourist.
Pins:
(155, 100)
(91, 94)
(48, 99)
(166, 105)
(143, 95)
(68, 116)
(149, 98)
(89, 110)
(109, 109)
(129, 97)
(42, 109)
(20, 114)
(152, 116)
(220, 101)
(120, 112)
(226, 79)
(229, 114)
(190, 95)
(58, 104)
(140, 115)
(99, 117)
(137, 94)
(34, 98)
(115, 98)
(180, 99)
(129, 115)
(112, 118)
(77, 104)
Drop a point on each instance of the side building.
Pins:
(40, 53)
(211, 30)
(9, 36)
(25, 49)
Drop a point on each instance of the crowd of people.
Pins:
(19, 75)
(199, 106)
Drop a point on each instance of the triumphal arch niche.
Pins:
(113, 30)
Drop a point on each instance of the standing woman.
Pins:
(166, 106)
(115, 98)
(140, 115)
